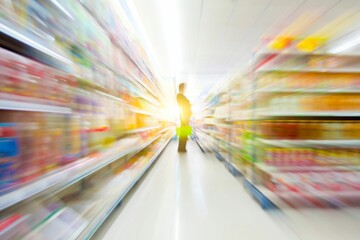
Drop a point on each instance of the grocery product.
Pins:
(9, 155)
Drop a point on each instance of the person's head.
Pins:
(181, 87)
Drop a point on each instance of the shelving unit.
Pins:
(123, 190)
(144, 129)
(71, 174)
(79, 118)
(278, 138)
(33, 107)
(263, 175)
(211, 126)
(24, 42)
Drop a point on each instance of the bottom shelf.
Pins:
(253, 178)
(230, 165)
(79, 210)
(267, 199)
(123, 182)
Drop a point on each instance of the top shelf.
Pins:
(13, 38)
(307, 62)
(295, 142)
(141, 65)
(25, 43)
(292, 53)
(310, 70)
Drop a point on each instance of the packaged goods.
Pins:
(9, 156)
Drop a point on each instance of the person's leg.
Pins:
(187, 123)
(182, 142)
(182, 139)
(185, 140)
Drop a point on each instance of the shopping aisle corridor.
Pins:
(190, 196)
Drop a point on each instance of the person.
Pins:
(185, 114)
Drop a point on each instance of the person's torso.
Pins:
(184, 105)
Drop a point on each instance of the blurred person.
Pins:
(185, 114)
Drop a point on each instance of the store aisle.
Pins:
(191, 196)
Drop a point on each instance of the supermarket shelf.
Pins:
(275, 169)
(234, 119)
(207, 115)
(151, 100)
(269, 55)
(33, 107)
(102, 216)
(234, 145)
(331, 198)
(208, 131)
(225, 148)
(110, 96)
(13, 38)
(24, 43)
(246, 115)
(53, 217)
(286, 143)
(202, 148)
(105, 92)
(310, 70)
(208, 134)
(137, 83)
(231, 166)
(292, 52)
(140, 111)
(68, 175)
(222, 125)
(144, 129)
(209, 139)
(268, 113)
(143, 84)
(308, 90)
(267, 199)
(131, 58)
(243, 102)
(168, 128)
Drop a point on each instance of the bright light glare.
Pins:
(171, 113)
(346, 46)
(62, 9)
(170, 17)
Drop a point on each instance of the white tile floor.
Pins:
(191, 196)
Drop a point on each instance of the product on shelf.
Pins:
(26, 80)
(63, 131)
(9, 155)
(15, 226)
(304, 81)
(310, 130)
(297, 127)
(41, 219)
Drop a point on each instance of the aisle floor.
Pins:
(191, 196)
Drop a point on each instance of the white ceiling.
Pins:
(211, 38)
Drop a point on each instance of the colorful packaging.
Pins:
(9, 156)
